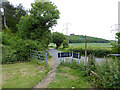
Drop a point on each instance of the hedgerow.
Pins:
(96, 51)
(16, 49)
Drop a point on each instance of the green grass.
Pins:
(22, 75)
(88, 44)
(67, 78)
(52, 44)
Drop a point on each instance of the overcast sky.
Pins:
(84, 17)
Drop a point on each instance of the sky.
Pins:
(95, 18)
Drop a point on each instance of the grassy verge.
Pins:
(23, 75)
(67, 77)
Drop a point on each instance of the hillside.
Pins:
(81, 39)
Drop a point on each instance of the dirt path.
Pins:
(51, 75)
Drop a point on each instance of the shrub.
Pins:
(18, 49)
(65, 44)
(58, 38)
(96, 51)
(8, 55)
(6, 39)
(109, 73)
(23, 48)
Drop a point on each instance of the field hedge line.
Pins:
(96, 51)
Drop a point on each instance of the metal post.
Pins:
(72, 55)
(64, 59)
(78, 58)
(46, 58)
(85, 48)
(60, 57)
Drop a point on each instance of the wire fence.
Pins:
(39, 55)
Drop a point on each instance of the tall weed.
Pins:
(108, 72)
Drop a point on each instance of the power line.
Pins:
(65, 27)
(115, 27)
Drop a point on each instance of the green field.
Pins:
(92, 44)
(88, 44)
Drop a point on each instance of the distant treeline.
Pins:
(81, 39)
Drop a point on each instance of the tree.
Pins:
(12, 15)
(116, 46)
(42, 17)
(47, 38)
(45, 13)
(66, 42)
(58, 38)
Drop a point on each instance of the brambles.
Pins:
(108, 72)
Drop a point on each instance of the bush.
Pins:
(65, 44)
(96, 51)
(58, 38)
(116, 49)
(6, 39)
(23, 48)
(16, 49)
(9, 55)
(109, 73)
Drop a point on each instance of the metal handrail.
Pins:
(117, 55)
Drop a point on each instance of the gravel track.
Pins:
(51, 74)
